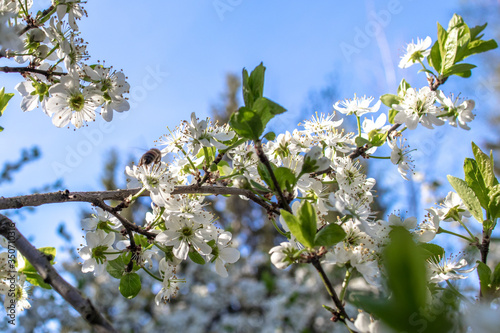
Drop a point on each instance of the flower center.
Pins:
(76, 102)
(98, 253)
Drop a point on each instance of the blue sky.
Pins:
(176, 55)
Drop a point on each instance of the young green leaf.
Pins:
(484, 273)
(403, 86)
(485, 166)
(360, 141)
(463, 70)
(130, 285)
(253, 85)
(495, 280)
(330, 235)
(392, 114)
(4, 100)
(450, 48)
(116, 268)
(389, 99)
(434, 58)
(286, 178)
(475, 181)
(270, 136)
(430, 250)
(247, 123)
(468, 197)
(30, 271)
(298, 229)
(196, 258)
(494, 202)
(264, 174)
(259, 187)
(267, 109)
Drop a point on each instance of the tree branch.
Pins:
(39, 199)
(49, 274)
(22, 70)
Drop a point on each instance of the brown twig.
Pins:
(282, 201)
(22, 70)
(216, 161)
(38, 199)
(342, 314)
(50, 276)
(129, 226)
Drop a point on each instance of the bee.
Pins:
(152, 156)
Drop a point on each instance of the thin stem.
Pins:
(129, 226)
(381, 157)
(263, 158)
(358, 119)
(273, 221)
(329, 288)
(151, 274)
(216, 161)
(345, 283)
(441, 230)
(137, 195)
(467, 229)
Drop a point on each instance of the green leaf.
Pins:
(484, 273)
(434, 59)
(485, 165)
(378, 139)
(474, 32)
(264, 174)
(495, 280)
(460, 70)
(430, 250)
(468, 197)
(475, 181)
(247, 92)
(267, 109)
(253, 85)
(389, 99)
(220, 167)
(259, 187)
(480, 46)
(286, 178)
(403, 86)
(450, 48)
(116, 268)
(360, 141)
(130, 285)
(196, 258)
(295, 226)
(392, 114)
(308, 219)
(330, 235)
(30, 271)
(494, 204)
(4, 100)
(247, 123)
(405, 268)
(442, 36)
(270, 136)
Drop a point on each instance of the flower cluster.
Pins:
(13, 283)
(72, 96)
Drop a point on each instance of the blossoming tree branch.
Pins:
(309, 181)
